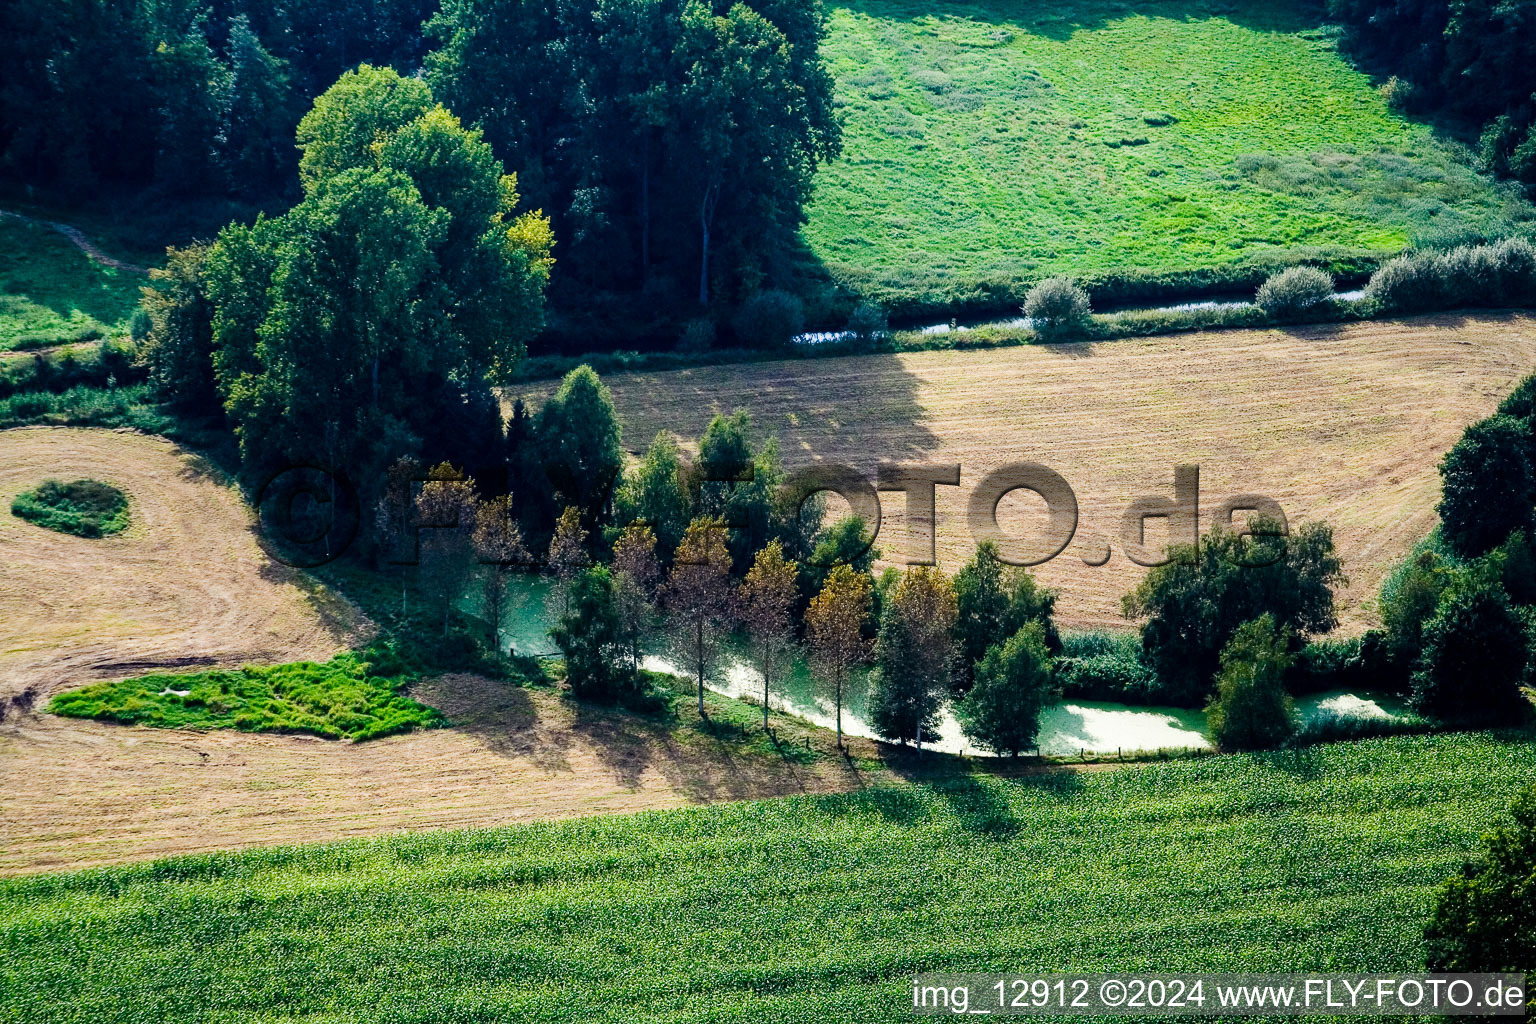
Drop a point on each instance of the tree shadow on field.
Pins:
(1060, 20)
(978, 797)
(500, 715)
(856, 410)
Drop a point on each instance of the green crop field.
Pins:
(51, 292)
(985, 141)
(799, 909)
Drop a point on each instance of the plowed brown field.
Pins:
(1344, 424)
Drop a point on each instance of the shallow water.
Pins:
(1067, 728)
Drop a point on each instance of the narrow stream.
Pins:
(946, 327)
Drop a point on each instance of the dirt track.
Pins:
(1345, 424)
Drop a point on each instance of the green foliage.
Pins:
(84, 406)
(1195, 603)
(1250, 709)
(1213, 863)
(177, 343)
(1104, 665)
(578, 438)
(1485, 917)
(52, 293)
(364, 107)
(591, 636)
(85, 508)
(1410, 595)
(1001, 711)
(1500, 274)
(105, 364)
(1473, 658)
(1058, 306)
(1488, 488)
(969, 134)
(994, 602)
(657, 494)
(914, 655)
(769, 319)
(1294, 290)
(352, 696)
(369, 320)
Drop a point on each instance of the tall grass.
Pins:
(1162, 147)
(345, 698)
(802, 909)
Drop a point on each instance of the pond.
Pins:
(1066, 728)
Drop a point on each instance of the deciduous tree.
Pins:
(834, 627)
(699, 597)
(767, 602)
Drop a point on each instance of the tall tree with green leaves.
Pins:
(699, 598)
(656, 494)
(994, 602)
(636, 574)
(834, 628)
(1001, 711)
(767, 602)
(914, 655)
(578, 437)
(1251, 709)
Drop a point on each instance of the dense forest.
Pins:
(1469, 61)
(671, 143)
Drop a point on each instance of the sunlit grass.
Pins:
(799, 909)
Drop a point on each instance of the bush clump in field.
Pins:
(1057, 306)
(1485, 919)
(1104, 665)
(868, 323)
(1294, 290)
(1251, 709)
(347, 697)
(85, 508)
(769, 319)
(1193, 604)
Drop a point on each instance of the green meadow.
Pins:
(52, 293)
(991, 141)
(797, 909)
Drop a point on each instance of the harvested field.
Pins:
(185, 585)
(1345, 424)
(78, 794)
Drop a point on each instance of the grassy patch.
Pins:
(987, 142)
(85, 508)
(345, 698)
(806, 908)
(52, 293)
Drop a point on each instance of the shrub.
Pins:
(1485, 918)
(1331, 726)
(1409, 597)
(1404, 284)
(1487, 486)
(1001, 713)
(994, 601)
(1363, 662)
(1473, 659)
(1057, 306)
(85, 508)
(1251, 709)
(591, 636)
(1521, 402)
(769, 319)
(1105, 665)
(1398, 92)
(1294, 290)
(1514, 264)
(697, 336)
(868, 322)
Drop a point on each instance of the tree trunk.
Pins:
(699, 652)
(765, 690)
(839, 695)
(704, 263)
(645, 206)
